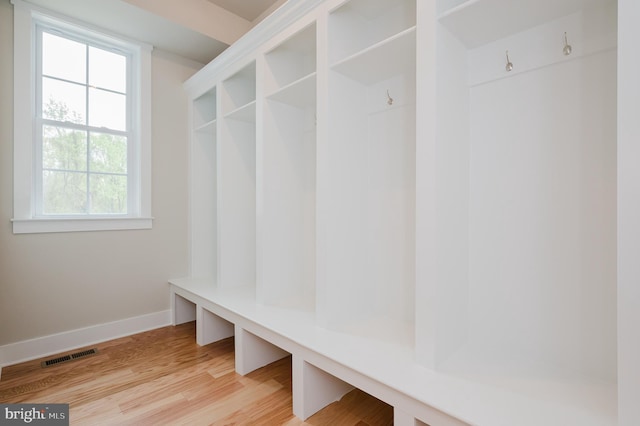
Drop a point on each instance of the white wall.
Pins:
(628, 213)
(52, 283)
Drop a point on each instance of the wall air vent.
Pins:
(67, 358)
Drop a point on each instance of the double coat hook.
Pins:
(566, 50)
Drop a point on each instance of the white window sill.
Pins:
(35, 226)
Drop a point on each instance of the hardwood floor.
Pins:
(162, 377)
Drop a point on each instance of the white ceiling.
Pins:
(198, 30)
(247, 9)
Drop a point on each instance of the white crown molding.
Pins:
(278, 21)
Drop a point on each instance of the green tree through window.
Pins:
(84, 127)
(83, 171)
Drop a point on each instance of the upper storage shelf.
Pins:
(246, 113)
(239, 90)
(478, 22)
(204, 111)
(358, 25)
(382, 60)
(301, 93)
(294, 60)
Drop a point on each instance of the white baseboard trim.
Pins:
(14, 353)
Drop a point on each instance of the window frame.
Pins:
(27, 137)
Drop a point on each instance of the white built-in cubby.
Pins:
(236, 173)
(287, 172)
(421, 199)
(203, 148)
(358, 28)
(525, 199)
(205, 112)
(367, 172)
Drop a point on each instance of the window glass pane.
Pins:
(108, 194)
(83, 168)
(64, 149)
(63, 101)
(107, 70)
(64, 192)
(108, 153)
(64, 58)
(107, 109)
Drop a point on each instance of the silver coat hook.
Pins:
(567, 47)
(509, 65)
(389, 98)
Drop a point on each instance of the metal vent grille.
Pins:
(67, 358)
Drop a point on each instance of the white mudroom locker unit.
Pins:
(436, 201)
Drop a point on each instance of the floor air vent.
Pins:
(67, 358)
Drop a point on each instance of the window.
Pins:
(81, 128)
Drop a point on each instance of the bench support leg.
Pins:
(252, 352)
(211, 328)
(183, 309)
(400, 418)
(314, 389)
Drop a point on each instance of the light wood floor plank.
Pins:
(162, 377)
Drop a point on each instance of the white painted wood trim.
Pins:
(25, 219)
(39, 226)
(628, 214)
(430, 396)
(272, 25)
(39, 347)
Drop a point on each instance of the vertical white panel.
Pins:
(203, 211)
(237, 204)
(23, 83)
(323, 171)
(425, 255)
(542, 219)
(344, 183)
(628, 212)
(236, 159)
(289, 206)
(452, 197)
